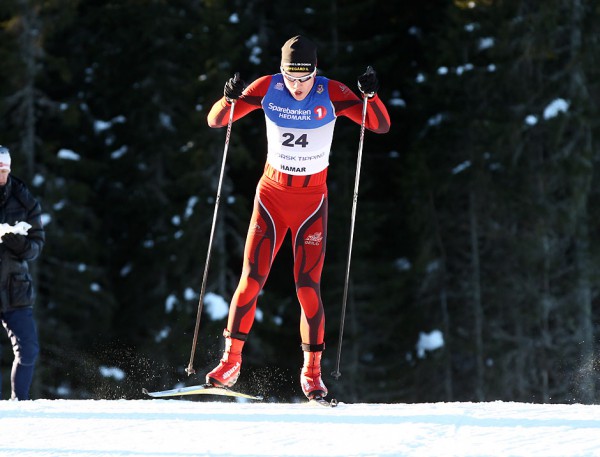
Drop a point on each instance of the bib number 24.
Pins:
(290, 140)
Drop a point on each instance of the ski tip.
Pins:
(145, 391)
(242, 395)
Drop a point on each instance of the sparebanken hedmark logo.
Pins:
(314, 239)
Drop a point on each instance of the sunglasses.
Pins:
(300, 79)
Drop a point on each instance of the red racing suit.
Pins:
(292, 193)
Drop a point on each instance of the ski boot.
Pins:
(228, 371)
(310, 376)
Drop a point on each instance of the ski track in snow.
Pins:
(183, 428)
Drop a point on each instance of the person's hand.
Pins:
(368, 83)
(15, 242)
(234, 88)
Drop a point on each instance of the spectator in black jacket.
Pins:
(22, 240)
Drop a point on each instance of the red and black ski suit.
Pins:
(292, 193)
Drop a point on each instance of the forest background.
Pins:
(476, 218)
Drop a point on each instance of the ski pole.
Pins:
(336, 374)
(190, 368)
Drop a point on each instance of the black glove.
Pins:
(16, 243)
(368, 83)
(234, 88)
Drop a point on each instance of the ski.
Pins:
(318, 400)
(202, 389)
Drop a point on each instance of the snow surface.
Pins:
(186, 428)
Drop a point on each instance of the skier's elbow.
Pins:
(384, 128)
(212, 123)
(381, 128)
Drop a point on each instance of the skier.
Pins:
(300, 112)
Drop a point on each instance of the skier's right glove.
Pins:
(234, 88)
(368, 83)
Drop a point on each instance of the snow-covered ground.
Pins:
(184, 428)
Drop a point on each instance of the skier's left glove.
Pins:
(18, 244)
(368, 82)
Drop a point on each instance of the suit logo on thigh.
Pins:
(314, 239)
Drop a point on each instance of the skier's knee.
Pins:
(26, 354)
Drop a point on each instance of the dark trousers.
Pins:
(20, 327)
